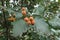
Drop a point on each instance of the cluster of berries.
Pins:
(29, 20)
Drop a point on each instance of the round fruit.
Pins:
(31, 18)
(23, 8)
(26, 19)
(11, 19)
(24, 13)
(29, 22)
(32, 22)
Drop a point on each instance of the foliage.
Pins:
(9, 10)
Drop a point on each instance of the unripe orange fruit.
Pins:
(29, 22)
(33, 22)
(11, 19)
(31, 18)
(26, 19)
(23, 8)
(24, 13)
